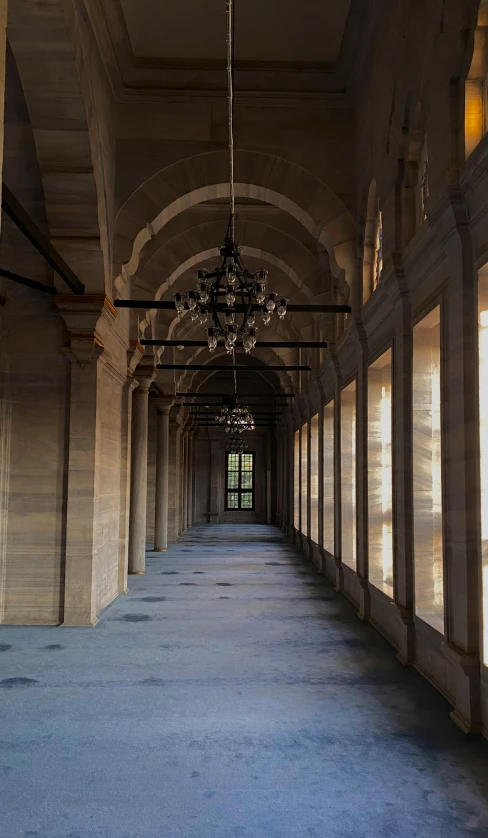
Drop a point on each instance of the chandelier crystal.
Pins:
(231, 289)
(236, 418)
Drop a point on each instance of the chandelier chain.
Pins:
(230, 98)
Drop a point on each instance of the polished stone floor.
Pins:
(230, 694)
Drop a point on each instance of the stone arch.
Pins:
(268, 356)
(258, 176)
(412, 169)
(68, 136)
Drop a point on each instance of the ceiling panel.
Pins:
(266, 30)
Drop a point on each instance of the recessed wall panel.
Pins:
(296, 481)
(304, 478)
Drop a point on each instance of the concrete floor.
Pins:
(230, 694)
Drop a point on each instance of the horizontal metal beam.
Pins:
(272, 344)
(222, 404)
(21, 218)
(240, 367)
(30, 283)
(240, 395)
(239, 308)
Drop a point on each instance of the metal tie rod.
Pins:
(240, 395)
(326, 308)
(272, 344)
(241, 367)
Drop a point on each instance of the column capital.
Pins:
(88, 318)
(145, 374)
(163, 404)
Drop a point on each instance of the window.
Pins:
(380, 475)
(475, 107)
(427, 471)
(239, 487)
(304, 479)
(348, 474)
(483, 395)
(314, 478)
(328, 478)
(423, 185)
(378, 250)
(296, 481)
(373, 244)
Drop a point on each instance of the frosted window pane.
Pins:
(348, 474)
(304, 475)
(427, 472)
(380, 476)
(314, 478)
(328, 472)
(296, 481)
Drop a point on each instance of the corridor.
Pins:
(230, 694)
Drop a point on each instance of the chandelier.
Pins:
(236, 418)
(245, 293)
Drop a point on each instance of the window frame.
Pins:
(240, 491)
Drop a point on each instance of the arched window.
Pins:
(373, 244)
(423, 185)
(476, 91)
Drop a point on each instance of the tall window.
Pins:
(373, 243)
(380, 475)
(296, 481)
(423, 186)
(483, 385)
(240, 481)
(328, 477)
(314, 478)
(348, 474)
(476, 91)
(303, 481)
(427, 471)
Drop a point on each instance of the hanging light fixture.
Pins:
(230, 279)
(236, 417)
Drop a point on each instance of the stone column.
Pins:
(403, 480)
(214, 494)
(174, 482)
(125, 472)
(3, 43)
(268, 477)
(89, 320)
(189, 490)
(163, 405)
(138, 477)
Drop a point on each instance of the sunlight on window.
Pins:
(328, 477)
(427, 471)
(348, 474)
(380, 476)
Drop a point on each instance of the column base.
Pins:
(137, 572)
(74, 622)
(159, 550)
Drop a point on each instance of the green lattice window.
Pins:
(239, 481)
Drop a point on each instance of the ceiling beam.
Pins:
(239, 308)
(240, 367)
